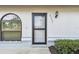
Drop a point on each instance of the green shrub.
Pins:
(67, 46)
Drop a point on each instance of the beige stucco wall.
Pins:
(40, 8)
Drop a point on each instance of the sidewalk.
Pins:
(24, 51)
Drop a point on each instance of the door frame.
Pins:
(37, 14)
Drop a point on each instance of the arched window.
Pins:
(11, 27)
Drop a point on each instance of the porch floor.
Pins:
(24, 51)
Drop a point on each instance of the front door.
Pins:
(39, 27)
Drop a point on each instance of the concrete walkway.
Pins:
(24, 51)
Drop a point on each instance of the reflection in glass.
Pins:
(11, 27)
(39, 36)
(39, 22)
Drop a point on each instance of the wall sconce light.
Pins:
(56, 14)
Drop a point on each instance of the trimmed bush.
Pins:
(67, 46)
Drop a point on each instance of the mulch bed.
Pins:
(53, 50)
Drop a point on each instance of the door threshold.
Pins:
(40, 46)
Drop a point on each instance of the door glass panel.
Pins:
(39, 21)
(39, 36)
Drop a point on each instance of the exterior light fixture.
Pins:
(56, 14)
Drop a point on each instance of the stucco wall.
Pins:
(65, 26)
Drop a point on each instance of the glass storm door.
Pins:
(39, 28)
